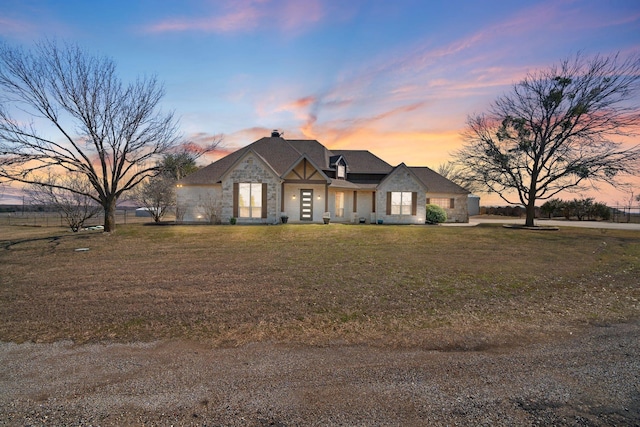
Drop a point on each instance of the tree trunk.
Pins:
(531, 213)
(109, 216)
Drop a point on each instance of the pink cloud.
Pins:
(248, 15)
(296, 14)
(235, 20)
(12, 27)
(300, 103)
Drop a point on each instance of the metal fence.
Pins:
(54, 219)
(630, 214)
(620, 214)
(625, 214)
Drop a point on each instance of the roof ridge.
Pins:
(291, 145)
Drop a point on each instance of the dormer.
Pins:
(339, 165)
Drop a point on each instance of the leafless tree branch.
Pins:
(112, 133)
(558, 129)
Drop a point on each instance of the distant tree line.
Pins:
(505, 210)
(580, 209)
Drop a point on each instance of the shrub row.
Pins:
(580, 209)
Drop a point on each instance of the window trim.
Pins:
(339, 204)
(443, 202)
(256, 211)
(412, 203)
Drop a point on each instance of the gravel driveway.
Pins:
(588, 378)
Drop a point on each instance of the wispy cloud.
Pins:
(197, 141)
(411, 87)
(247, 16)
(410, 103)
(16, 27)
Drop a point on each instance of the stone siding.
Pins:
(460, 211)
(252, 169)
(196, 203)
(400, 179)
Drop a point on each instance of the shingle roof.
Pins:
(281, 155)
(315, 151)
(362, 161)
(211, 174)
(276, 151)
(342, 183)
(436, 183)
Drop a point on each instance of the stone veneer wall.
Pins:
(252, 169)
(192, 200)
(400, 180)
(460, 212)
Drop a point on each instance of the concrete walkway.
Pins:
(473, 221)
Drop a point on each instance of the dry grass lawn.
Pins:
(432, 287)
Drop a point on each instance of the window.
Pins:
(339, 204)
(401, 203)
(445, 203)
(250, 200)
(341, 171)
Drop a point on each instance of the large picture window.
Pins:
(401, 203)
(339, 204)
(250, 200)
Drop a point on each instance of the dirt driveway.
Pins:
(587, 378)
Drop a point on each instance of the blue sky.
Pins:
(395, 77)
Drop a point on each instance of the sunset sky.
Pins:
(397, 78)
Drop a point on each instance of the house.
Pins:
(304, 181)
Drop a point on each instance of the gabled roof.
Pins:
(240, 159)
(283, 155)
(311, 162)
(402, 166)
(276, 151)
(313, 150)
(333, 160)
(436, 183)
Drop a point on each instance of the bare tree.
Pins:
(558, 129)
(181, 210)
(108, 131)
(67, 195)
(157, 194)
(453, 172)
(210, 208)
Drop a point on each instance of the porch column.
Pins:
(281, 197)
(326, 197)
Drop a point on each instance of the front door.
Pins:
(306, 205)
